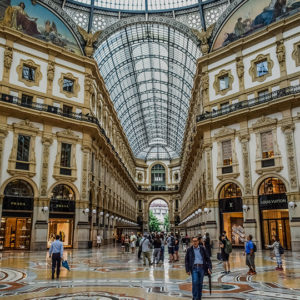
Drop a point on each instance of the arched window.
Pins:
(158, 176)
(230, 190)
(62, 192)
(271, 186)
(18, 188)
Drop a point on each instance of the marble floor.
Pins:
(106, 274)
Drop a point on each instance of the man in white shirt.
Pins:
(133, 239)
(145, 244)
(57, 251)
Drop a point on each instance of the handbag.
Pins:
(219, 256)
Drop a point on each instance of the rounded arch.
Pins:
(222, 183)
(158, 198)
(150, 20)
(260, 180)
(28, 180)
(70, 184)
(157, 162)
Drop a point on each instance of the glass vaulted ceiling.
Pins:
(148, 69)
(140, 5)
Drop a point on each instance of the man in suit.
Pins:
(197, 264)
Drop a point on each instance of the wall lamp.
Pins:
(246, 208)
(45, 209)
(94, 211)
(292, 205)
(86, 211)
(101, 213)
(207, 210)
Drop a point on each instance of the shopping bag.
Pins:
(65, 265)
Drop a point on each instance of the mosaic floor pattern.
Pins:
(107, 274)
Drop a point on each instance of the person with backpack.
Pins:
(226, 249)
(278, 251)
(250, 250)
(171, 246)
(197, 264)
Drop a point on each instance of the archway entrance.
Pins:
(61, 215)
(159, 216)
(231, 213)
(274, 213)
(15, 230)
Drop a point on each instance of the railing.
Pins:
(291, 90)
(160, 188)
(58, 111)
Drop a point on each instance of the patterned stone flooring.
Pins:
(107, 274)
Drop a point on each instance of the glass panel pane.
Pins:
(23, 148)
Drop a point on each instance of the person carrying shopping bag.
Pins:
(56, 251)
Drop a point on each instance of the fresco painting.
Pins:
(252, 15)
(37, 21)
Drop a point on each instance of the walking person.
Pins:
(226, 249)
(145, 244)
(133, 240)
(162, 248)
(126, 243)
(140, 246)
(99, 240)
(171, 245)
(57, 251)
(250, 249)
(157, 249)
(123, 243)
(278, 251)
(197, 264)
(207, 244)
(176, 249)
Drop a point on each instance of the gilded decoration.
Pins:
(218, 77)
(288, 130)
(253, 71)
(244, 140)
(240, 70)
(296, 54)
(25, 128)
(226, 134)
(46, 141)
(8, 56)
(37, 70)
(203, 37)
(66, 136)
(262, 125)
(76, 87)
(90, 39)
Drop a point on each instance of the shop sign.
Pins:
(62, 205)
(274, 201)
(231, 205)
(17, 203)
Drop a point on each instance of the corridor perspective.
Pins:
(149, 149)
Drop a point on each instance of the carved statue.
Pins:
(8, 55)
(90, 39)
(50, 71)
(204, 37)
(89, 84)
(280, 51)
(8, 17)
(240, 68)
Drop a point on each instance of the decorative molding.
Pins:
(204, 83)
(264, 122)
(8, 57)
(216, 84)
(46, 141)
(31, 64)
(296, 54)
(24, 127)
(288, 130)
(50, 71)
(76, 87)
(240, 70)
(204, 37)
(280, 52)
(252, 70)
(244, 140)
(224, 132)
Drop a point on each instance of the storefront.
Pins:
(61, 215)
(274, 213)
(16, 221)
(231, 213)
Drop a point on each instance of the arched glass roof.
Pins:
(148, 69)
(140, 5)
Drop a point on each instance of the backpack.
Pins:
(228, 247)
(281, 249)
(254, 248)
(172, 241)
